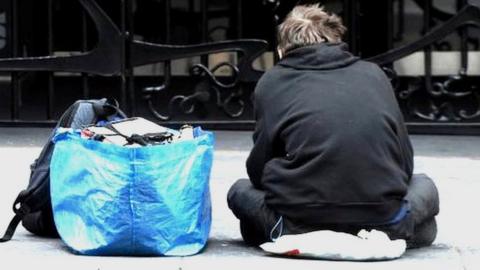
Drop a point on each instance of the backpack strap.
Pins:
(37, 194)
(26, 202)
(20, 213)
(11, 228)
(107, 107)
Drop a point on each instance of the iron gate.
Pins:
(55, 52)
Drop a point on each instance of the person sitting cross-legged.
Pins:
(331, 150)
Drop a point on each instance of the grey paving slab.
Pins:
(453, 162)
(470, 257)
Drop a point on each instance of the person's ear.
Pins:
(280, 53)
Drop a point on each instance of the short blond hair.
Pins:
(307, 25)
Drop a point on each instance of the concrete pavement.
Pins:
(453, 162)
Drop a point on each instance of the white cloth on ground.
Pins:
(365, 246)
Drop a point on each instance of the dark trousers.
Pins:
(259, 223)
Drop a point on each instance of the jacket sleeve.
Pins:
(407, 151)
(262, 147)
(405, 143)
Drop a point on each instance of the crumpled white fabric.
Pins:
(365, 246)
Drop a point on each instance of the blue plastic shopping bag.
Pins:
(114, 200)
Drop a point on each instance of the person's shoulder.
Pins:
(370, 66)
(372, 70)
(271, 74)
(269, 81)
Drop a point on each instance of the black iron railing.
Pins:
(446, 104)
(218, 93)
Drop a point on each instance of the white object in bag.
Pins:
(366, 246)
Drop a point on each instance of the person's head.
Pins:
(308, 25)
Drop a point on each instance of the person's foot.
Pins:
(251, 236)
(424, 234)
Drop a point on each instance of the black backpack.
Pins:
(33, 206)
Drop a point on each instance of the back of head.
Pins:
(309, 25)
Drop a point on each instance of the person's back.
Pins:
(331, 150)
(341, 134)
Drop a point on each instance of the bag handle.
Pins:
(143, 140)
(20, 213)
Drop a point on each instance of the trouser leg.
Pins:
(424, 206)
(257, 220)
(248, 205)
(419, 227)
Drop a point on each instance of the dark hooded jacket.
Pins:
(330, 144)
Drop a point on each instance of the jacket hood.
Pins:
(321, 56)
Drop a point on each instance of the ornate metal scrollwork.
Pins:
(231, 105)
(233, 98)
(208, 84)
(444, 101)
(454, 99)
(185, 104)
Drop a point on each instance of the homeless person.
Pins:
(331, 150)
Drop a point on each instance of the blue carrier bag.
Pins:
(114, 200)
